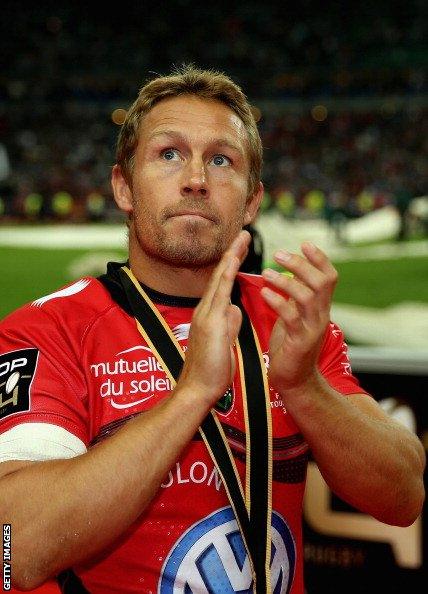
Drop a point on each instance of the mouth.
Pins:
(193, 215)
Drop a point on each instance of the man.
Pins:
(139, 483)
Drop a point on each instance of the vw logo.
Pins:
(211, 558)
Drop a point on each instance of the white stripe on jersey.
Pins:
(71, 290)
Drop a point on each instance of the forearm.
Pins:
(64, 511)
(366, 458)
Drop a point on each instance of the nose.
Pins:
(194, 178)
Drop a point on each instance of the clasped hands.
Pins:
(301, 301)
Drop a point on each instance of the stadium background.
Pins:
(341, 95)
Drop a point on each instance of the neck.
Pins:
(168, 279)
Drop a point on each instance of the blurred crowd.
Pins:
(57, 161)
(342, 98)
(273, 49)
(353, 161)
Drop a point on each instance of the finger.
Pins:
(237, 249)
(321, 282)
(319, 259)
(300, 267)
(285, 309)
(239, 246)
(307, 301)
(221, 298)
(211, 288)
(234, 321)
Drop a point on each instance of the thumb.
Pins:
(234, 321)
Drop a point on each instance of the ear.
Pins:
(121, 190)
(253, 204)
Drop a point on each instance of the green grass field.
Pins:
(28, 273)
(379, 283)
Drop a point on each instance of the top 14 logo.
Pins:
(17, 369)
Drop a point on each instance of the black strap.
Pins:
(260, 446)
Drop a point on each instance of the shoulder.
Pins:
(75, 304)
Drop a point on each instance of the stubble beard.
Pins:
(188, 250)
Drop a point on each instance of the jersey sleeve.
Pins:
(40, 377)
(334, 363)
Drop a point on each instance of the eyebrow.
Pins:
(174, 135)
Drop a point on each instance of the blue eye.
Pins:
(170, 154)
(221, 160)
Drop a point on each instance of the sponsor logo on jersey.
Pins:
(337, 333)
(224, 405)
(275, 398)
(181, 331)
(16, 374)
(71, 290)
(199, 473)
(131, 378)
(211, 557)
(346, 363)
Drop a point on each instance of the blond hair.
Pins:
(188, 80)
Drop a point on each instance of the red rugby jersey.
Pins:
(84, 366)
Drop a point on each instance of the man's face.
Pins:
(189, 194)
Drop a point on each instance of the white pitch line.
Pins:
(64, 236)
(276, 232)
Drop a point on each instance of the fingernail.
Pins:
(310, 245)
(283, 255)
(269, 273)
(268, 293)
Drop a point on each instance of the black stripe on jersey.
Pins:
(111, 428)
(290, 454)
(70, 583)
(289, 466)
